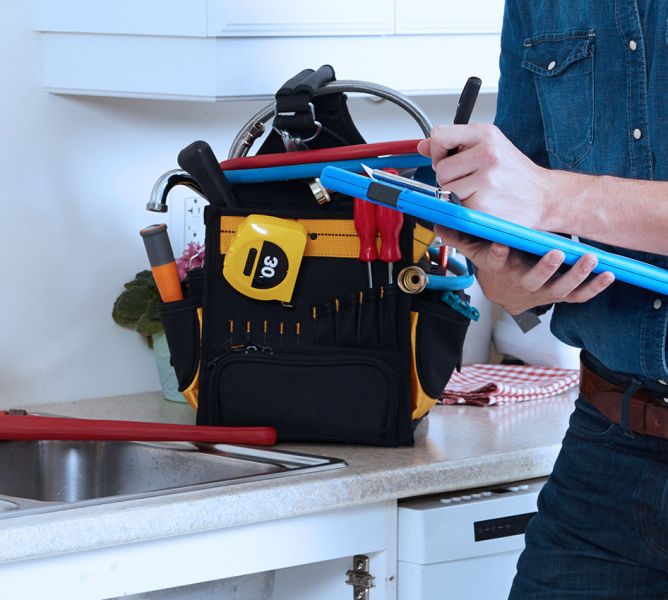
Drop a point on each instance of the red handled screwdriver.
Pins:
(389, 222)
(365, 225)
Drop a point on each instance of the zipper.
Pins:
(240, 349)
(260, 354)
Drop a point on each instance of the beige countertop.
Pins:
(457, 447)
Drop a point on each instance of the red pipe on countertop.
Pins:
(35, 427)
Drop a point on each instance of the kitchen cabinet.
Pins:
(327, 540)
(306, 528)
(429, 16)
(225, 49)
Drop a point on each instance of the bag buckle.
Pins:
(292, 143)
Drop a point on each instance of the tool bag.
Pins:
(338, 361)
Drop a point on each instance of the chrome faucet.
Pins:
(164, 184)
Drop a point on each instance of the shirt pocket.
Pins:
(563, 69)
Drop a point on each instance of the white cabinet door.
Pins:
(443, 16)
(214, 18)
(136, 568)
(133, 17)
(299, 17)
(230, 49)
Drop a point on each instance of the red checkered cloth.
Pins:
(484, 385)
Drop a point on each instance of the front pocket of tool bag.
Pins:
(308, 396)
(181, 322)
(439, 333)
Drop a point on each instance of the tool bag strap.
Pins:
(328, 100)
(294, 107)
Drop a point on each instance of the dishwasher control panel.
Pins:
(456, 525)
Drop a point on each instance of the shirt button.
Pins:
(633, 45)
(637, 134)
(551, 66)
(657, 304)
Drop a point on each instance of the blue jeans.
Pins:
(601, 531)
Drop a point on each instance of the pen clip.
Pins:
(410, 184)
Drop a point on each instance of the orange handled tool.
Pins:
(163, 265)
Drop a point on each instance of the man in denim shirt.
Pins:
(582, 149)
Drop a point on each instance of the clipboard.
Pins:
(432, 204)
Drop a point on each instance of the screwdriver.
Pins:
(365, 226)
(389, 222)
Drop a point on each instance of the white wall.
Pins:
(79, 171)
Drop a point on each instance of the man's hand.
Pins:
(489, 174)
(508, 279)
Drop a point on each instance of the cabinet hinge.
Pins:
(360, 578)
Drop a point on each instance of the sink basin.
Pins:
(38, 476)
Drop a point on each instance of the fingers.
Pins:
(574, 277)
(464, 163)
(496, 257)
(591, 288)
(536, 277)
(450, 237)
(444, 138)
(469, 246)
(423, 147)
(485, 255)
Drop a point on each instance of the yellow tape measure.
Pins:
(263, 259)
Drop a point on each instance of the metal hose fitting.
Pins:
(412, 280)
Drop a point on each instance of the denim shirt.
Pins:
(583, 88)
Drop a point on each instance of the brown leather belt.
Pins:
(648, 410)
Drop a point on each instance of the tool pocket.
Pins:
(182, 321)
(438, 334)
(563, 67)
(362, 319)
(342, 396)
(329, 365)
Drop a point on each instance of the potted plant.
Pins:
(137, 307)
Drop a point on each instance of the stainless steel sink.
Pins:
(37, 476)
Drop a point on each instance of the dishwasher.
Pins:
(463, 545)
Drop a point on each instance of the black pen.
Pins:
(467, 100)
(462, 115)
(466, 103)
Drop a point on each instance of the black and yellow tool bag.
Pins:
(338, 362)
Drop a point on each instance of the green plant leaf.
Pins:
(131, 305)
(142, 279)
(137, 306)
(148, 326)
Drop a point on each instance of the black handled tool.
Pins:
(199, 160)
(466, 103)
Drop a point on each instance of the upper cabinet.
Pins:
(228, 49)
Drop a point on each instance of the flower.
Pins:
(192, 258)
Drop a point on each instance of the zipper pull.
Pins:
(240, 349)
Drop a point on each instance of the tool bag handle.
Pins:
(254, 127)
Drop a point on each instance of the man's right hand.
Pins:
(510, 280)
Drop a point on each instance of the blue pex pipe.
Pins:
(312, 170)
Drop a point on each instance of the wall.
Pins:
(79, 171)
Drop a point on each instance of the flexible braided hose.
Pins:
(255, 125)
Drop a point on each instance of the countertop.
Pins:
(457, 447)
